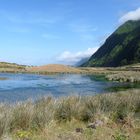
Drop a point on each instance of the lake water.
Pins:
(19, 87)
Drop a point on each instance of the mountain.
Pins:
(121, 48)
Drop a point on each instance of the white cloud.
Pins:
(70, 58)
(132, 15)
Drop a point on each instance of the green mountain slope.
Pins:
(121, 48)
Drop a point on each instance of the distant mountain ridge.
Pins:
(121, 48)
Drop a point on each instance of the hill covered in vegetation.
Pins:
(121, 48)
(11, 67)
(53, 68)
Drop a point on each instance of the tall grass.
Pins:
(40, 114)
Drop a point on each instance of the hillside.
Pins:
(121, 48)
(11, 67)
(53, 68)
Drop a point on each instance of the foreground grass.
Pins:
(102, 117)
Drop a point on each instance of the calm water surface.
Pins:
(20, 87)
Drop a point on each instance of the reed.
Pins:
(50, 118)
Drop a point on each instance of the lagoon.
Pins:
(20, 87)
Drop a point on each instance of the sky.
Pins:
(38, 32)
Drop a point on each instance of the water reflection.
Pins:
(23, 86)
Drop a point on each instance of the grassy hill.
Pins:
(11, 67)
(53, 68)
(121, 48)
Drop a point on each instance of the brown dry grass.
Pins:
(54, 68)
(125, 76)
(57, 119)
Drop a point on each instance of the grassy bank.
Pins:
(11, 67)
(108, 117)
(125, 76)
(130, 73)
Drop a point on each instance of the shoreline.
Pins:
(111, 74)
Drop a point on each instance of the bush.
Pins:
(63, 111)
(21, 116)
(43, 113)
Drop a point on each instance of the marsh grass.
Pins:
(53, 117)
(125, 76)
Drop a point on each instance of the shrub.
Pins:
(21, 116)
(89, 109)
(43, 113)
(119, 136)
(63, 111)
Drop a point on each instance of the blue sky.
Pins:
(38, 32)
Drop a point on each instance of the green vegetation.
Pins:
(127, 27)
(121, 48)
(11, 67)
(98, 77)
(124, 87)
(3, 78)
(108, 116)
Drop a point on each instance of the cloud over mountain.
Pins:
(131, 15)
(70, 58)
